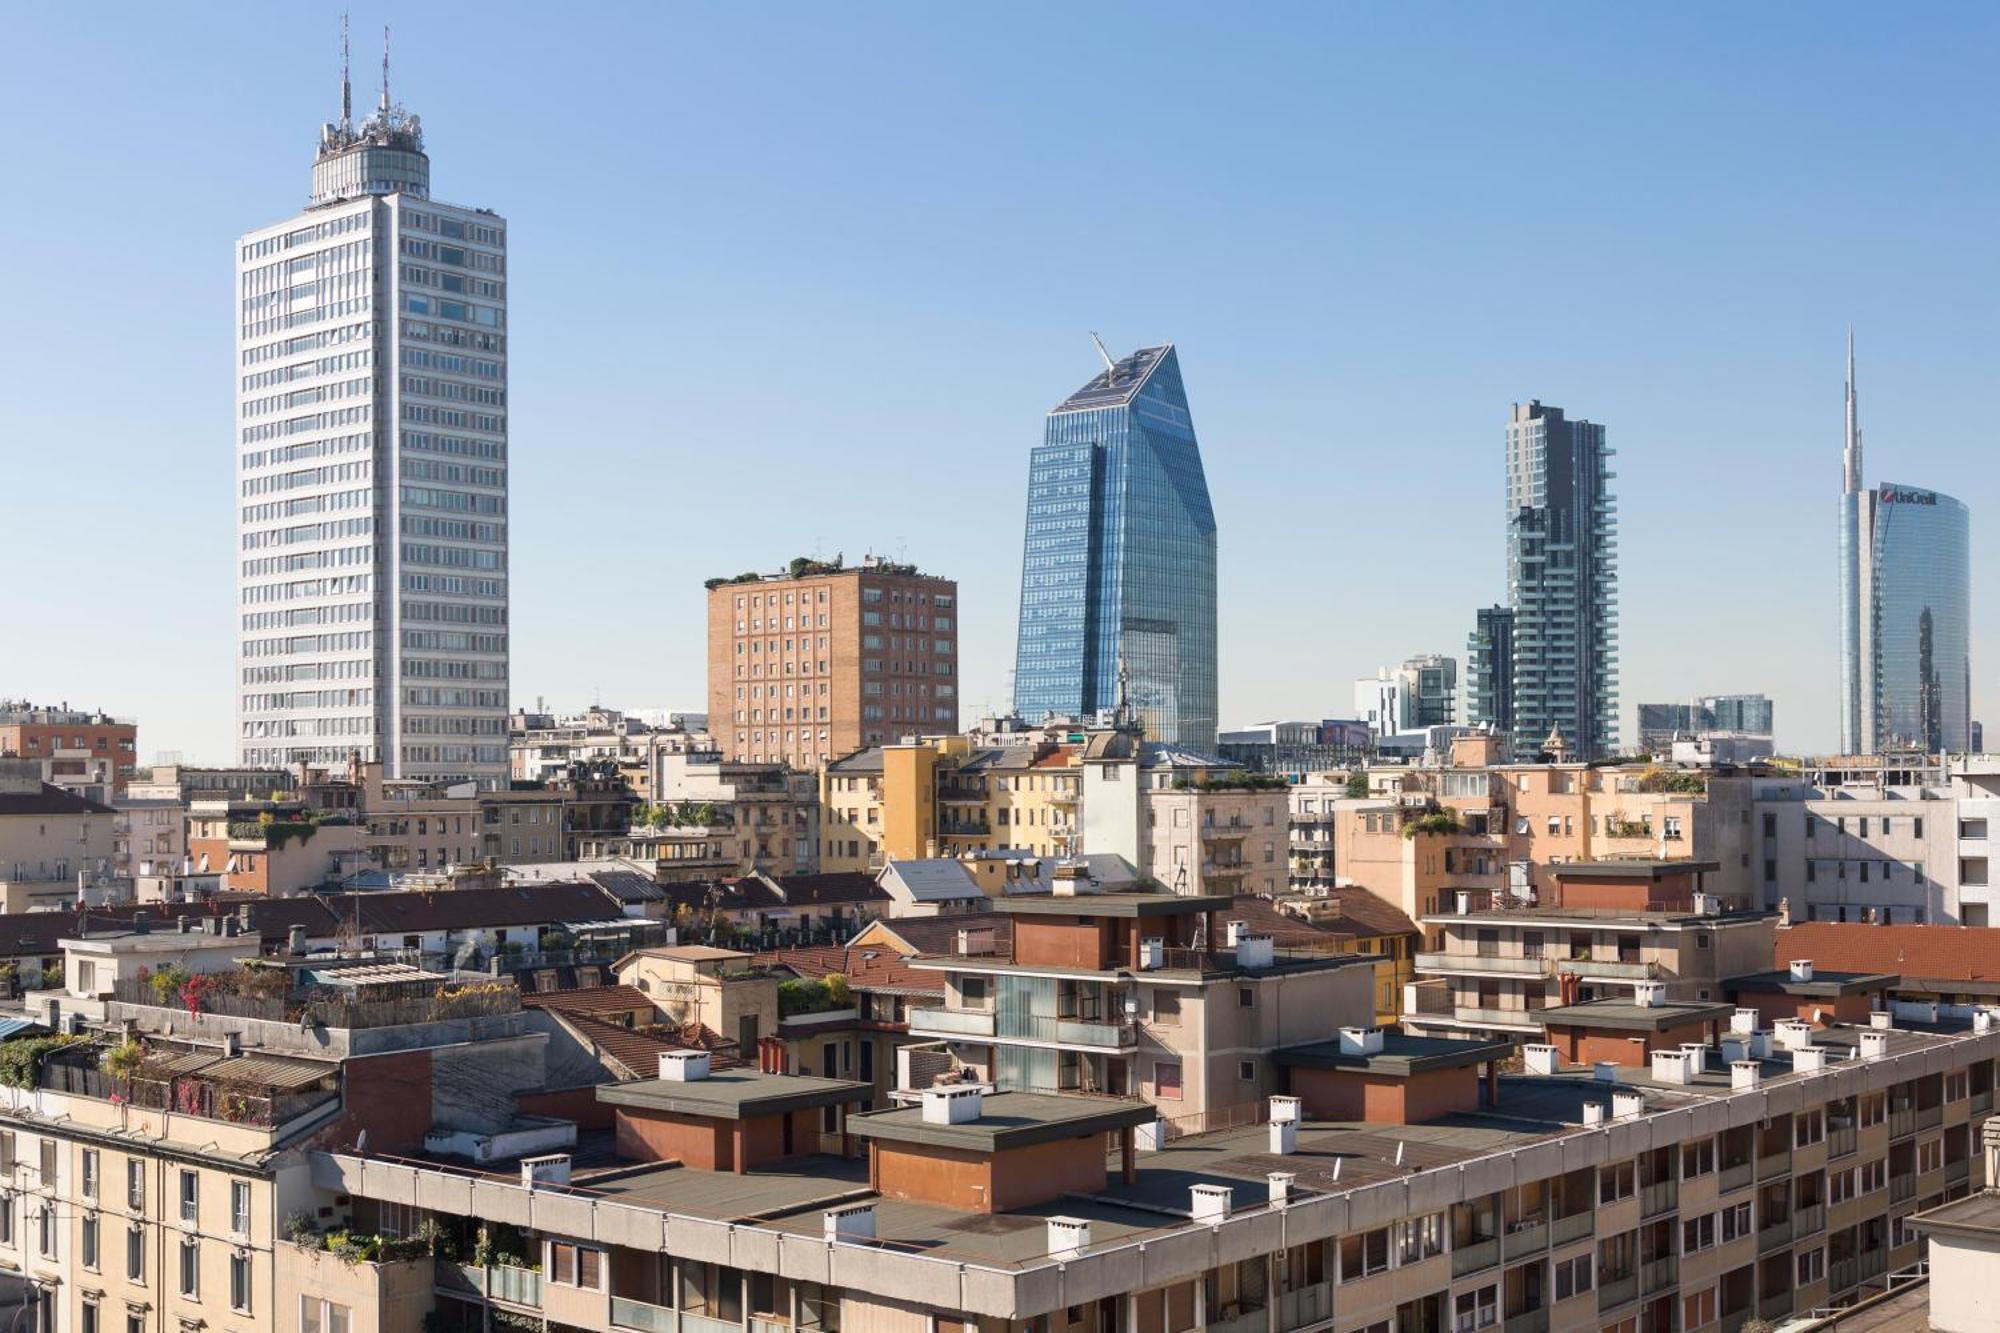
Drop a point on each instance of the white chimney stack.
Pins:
(550, 1169)
(1648, 994)
(1238, 930)
(1671, 1067)
(856, 1221)
(1541, 1059)
(1284, 1137)
(1801, 969)
(1982, 1020)
(1281, 1188)
(1743, 1073)
(1874, 1044)
(683, 1066)
(1605, 1071)
(1464, 903)
(1593, 1113)
(1808, 1059)
(1743, 1020)
(1209, 1203)
(1068, 1237)
(1881, 1020)
(1256, 951)
(1286, 1109)
(1149, 1137)
(1625, 1103)
(1152, 953)
(1792, 1034)
(952, 1104)
(1361, 1041)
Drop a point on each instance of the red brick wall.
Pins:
(1341, 1094)
(1581, 1046)
(389, 1096)
(1625, 894)
(578, 1104)
(654, 1136)
(1837, 1008)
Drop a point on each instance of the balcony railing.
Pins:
(1954, 1172)
(1775, 1307)
(1472, 962)
(1660, 1274)
(1249, 1321)
(1658, 1197)
(627, 1313)
(1472, 1257)
(1842, 1274)
(515, 1286)
(1902, 1187)
(957, 1022)
(1616, 1291)
(1774, 1234)
(1525, 1238)
(1841, 1142)
(701, 1323)
(1902, 1121)
(1307, 1305)
(1574, 1227)
(1930, 1117)
(1982, 1102)
(1528, 1321)
(1807, 1219)
(1735, 1177)
(1615, 970)
(1774, 1165)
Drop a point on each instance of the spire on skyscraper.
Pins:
(1851, 454)
(346, 82)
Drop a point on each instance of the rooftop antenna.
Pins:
(385, 69)
(1110, 366)
(346, 82)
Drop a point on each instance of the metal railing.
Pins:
(1472, 962)
(1616, 970)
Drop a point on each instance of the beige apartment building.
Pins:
(51, 840)
(948, 796)
(817, 662)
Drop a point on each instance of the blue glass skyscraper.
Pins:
(1118, 575)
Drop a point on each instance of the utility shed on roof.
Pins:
(1626, 1032)
(1819, 997)
(1403, 1080)
(727, 1120)
(996, 1151)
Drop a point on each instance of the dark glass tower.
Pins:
(1118, 575)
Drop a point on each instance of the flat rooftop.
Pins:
(1006, 1120)
(1627, 1016)
(1975, 1215)
(1116, 903)
(1599, 917)
(1401, 1055)
(733, 1094)
(1823, 983)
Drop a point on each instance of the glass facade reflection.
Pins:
(1118, 572)
(1921, 580)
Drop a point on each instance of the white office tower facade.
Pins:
(371, 462)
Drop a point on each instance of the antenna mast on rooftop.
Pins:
(385, 68)
(346, 81)
(1110, 366)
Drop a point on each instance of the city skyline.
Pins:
(1697, 505)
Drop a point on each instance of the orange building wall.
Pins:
(1851, 1009)
(653, 1136)
(1020, 1178)
(1339, 1094)
(1582, 1046)
(1059, 943)
(1628, 895)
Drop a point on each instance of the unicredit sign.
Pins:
(1891, 496)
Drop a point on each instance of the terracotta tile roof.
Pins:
(1352, 910)
(50, 800)
(1286, 931)
(939, 934)
(637, 1052)
(877, 969)
(1936, 953)
(589, 1000)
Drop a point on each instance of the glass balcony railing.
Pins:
(1613, 1292)
(1774, 1234)
(1472, 1257)
(1807, 1219)
(1735, 1177)
(957, 1022)
(627, 1313)
(1307, 1305)
(1472, 962)
(516, 1286)
(1660, 1274)
(1658, 1197)
(1528, 1321)
(701, 1323)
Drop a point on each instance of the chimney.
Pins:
(1671, 1067)
(1735, 1048)
(1707, 904)
(1625, 1104)
(1286, 1109)
(1464, 903)
(1605, 1071)
(1744, 1073)
(1881, 1020)
(855, 1222)
(1255, 951)
(1743, 1020)
(1982, 1020)
(1593, 1113)
(1808, 1059)
(1802, 969)
(953, 1104)
(1281, 1188)
(243, 916)
(1874, 1044)
(1209, 1203)
(1648, 994)
(295, 941)
(1238, 930)
(1793, 1034)
(1541, 1059)
(1149, 1137)
(1361, 1041)
(1284, 1136)
(1697, 1054)
(551, 1169)
(683, 1066)
(1760, 1044)
(1068, 1237)
(232, 1045)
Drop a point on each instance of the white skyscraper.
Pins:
(372, 468)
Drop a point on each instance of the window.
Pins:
(1617, 1180)
(1698, 1309)
(1166, 1080)
(1808, 1128)
(1419, 1238)
(1476, 1309)
(239, 1282)
(1812, 1266)
(45, 1231)
(1930, 1155)
(239, 1207)
(135, 1253)
(1167, 1008)
(48, 1162)
(575, 1265)
(1246, 1070)
(90, 1173)
(1871, 1176)
(1697, 1159)
(135, 1184)
(89, 1241)
(1736, 1222)
(90, 1317)
(1698, 1233)
(1874, 1108)
(1364, 1254)
(322, 1316)
(1246, 997)
(190, 1197)
(1572, 1277)
(6, 1219)
(191, 1268)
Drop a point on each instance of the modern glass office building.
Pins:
(1921, 612)
(1118, 573)
(371, 469)
(1906, 610)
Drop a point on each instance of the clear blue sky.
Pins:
(849, 253)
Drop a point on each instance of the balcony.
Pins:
(1840, 1142)
(1957, 1172)
(1658, 1197)
(1930, 1117)
(1481, 965)
(1775, 1165)
(1528, 1321)
(1574, 1227)
(1617, 1291)
(1842, 1274)
(1248, 1321)
(1774, 1234)
(1472, 1257)
(1660, 1274)
(626, 1313)
(1066, 1031)
(935, 1019)
(498, 1282)
(1733, 1178)
(1902, 1121)
(1526, 1237)
(1613, 970)
(1982, 1102)
(701, 1323)
(1809, 1218)
(1307, 1305)
(1902, 1187)
(1775, 1307)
